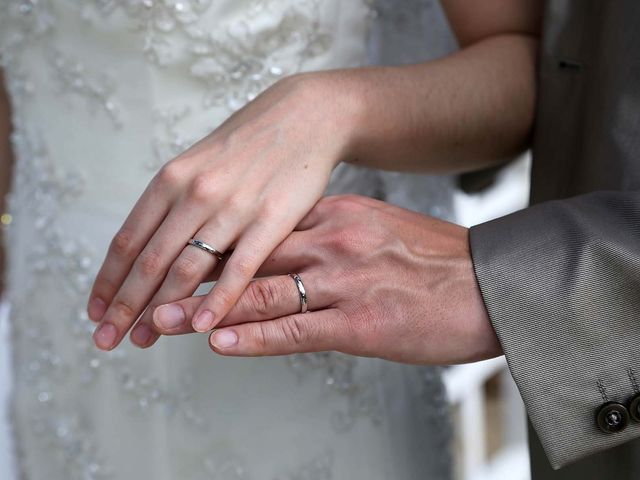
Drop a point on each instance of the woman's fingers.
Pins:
(138, 290)
(304, 332)
(292, 255)
(254, 246)
(140, 225)
(146, 274)
(263, 299)
(186, 273)
(175, 318)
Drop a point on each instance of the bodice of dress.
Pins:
(147, 78)
(104, 92)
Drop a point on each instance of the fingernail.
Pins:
(224, 338)
(105, 336)
(204, 321)
(96, 309)
(141, 335)
(169, 316)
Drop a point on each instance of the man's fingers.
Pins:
(266, 299)
(263, 299)
(304, 332)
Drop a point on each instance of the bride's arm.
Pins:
(6, 163)
(466, 111)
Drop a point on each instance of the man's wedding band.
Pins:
(206, 247)
(301, 291)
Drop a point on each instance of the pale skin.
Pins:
(252, 181)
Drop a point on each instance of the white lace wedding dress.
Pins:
(104, 92)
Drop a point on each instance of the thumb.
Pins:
(175, 318)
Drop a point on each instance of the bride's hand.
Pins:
(380, 281)
(245, 186)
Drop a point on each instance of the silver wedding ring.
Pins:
(301, 291)
(206, 247)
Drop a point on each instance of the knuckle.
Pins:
(330, 204)
(170, 174)
(203, 188)
(272, 210)
(223, 296)
(149, 263)
(243, 267)
(341, 242)
(263, 297)
(322, 205)
(237, 203)
(104, 288)
(124, 308)
(364, 327)
(261, 335)
(345, 202)
(122, 244)
(328, 200)
(292, 330)
(184, 269)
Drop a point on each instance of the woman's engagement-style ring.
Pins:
(206, 247)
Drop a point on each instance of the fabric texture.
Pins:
(561, 279)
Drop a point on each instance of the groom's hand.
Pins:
(381, 281)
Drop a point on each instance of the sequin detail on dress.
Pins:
(75, 80)
(158, 22)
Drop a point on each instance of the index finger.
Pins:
(136, 231)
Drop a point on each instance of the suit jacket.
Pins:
(561, 279)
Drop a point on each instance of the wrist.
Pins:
(484, 335)
(339, 109)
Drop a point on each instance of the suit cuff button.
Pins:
(612, 417)
(634, 408)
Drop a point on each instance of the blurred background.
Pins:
(489, 417)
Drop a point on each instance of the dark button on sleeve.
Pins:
(634, 408)
(612, 417)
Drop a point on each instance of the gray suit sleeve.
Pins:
(561, 283)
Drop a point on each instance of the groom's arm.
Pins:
(560, 281)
